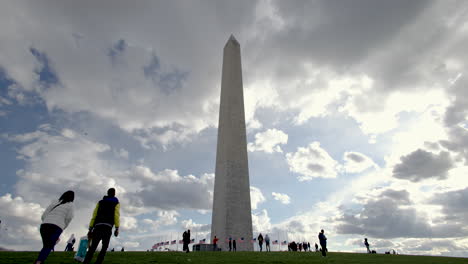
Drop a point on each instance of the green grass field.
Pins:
(229, 257)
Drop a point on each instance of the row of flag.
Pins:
(174, 242)
(203, 241)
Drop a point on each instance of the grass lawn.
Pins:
(229, 257)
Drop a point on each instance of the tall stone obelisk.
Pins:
(232, 217)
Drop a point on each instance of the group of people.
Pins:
(186, 241)
(59, 214)
(293, 246)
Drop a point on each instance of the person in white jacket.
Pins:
(55, 219)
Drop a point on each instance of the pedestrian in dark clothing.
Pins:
(260, 241)
(71, 241)
(323, 242)
(55, 219)
(267, 243)
(186, 240)
(308, 246)
(367, 245)
(316, 247)
(304, 246)
(230, 244)
(105, 216)
(215, 243)
(234, 245)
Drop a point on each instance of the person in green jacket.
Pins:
(105, 216)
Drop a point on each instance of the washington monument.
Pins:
(232, 216)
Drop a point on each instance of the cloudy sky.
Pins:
(356, 118)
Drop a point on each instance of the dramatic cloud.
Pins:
(281, 197)
(421, 164)
(388, 215)
(312, 162)
(268, 141)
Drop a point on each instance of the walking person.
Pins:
(71, 241)
(260, 241)
(234, 245)
(55, 219)
(316, 247)
(366, 243)
(230, 244)
(267, 243)
(323, 242)
(105, 216)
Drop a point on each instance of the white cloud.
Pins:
(283, 198)
(256, 197)
(261, 221)
(356, 162)
(312, 162)
(269, 141)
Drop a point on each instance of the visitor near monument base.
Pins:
(71, 241)
(323, 243)
(234, 245)
(215, 241)
(105, 216)
(260, 241)
(186, 241)
(55, 219)
(267, 243)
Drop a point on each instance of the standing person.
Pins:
(316, 247)
(323, 242)
(367, 245)
(267, 242)
(215, 241)
(299, 245)
(234, 245)
(308, 246)
(105, 216)
(186, 240)
(71, 241)
(230, 244)
(55, 219)
(260, 241)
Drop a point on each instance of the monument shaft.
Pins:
(232, 216)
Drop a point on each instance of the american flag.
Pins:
(284, 243)
(254, 240)
(203, 241)
(181, 241)
(167, 243)
(192, 240)
(155, 246)
(275, 242)
(173, 242)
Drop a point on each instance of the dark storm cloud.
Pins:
(342, 33)
(384, 217)
(454, 204)
(421, 164)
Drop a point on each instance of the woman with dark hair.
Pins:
(55, 219)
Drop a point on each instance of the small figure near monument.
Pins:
(71, 241)
(230, 244)
(186, 241)
(267, 243)
(366, 243)
(55, 219)
(323, 243)
(105, 216)
(234, 245)
(215, 241)
(316, 247)
(260, 241)
(308, 246)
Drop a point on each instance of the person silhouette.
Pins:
(323, 242)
